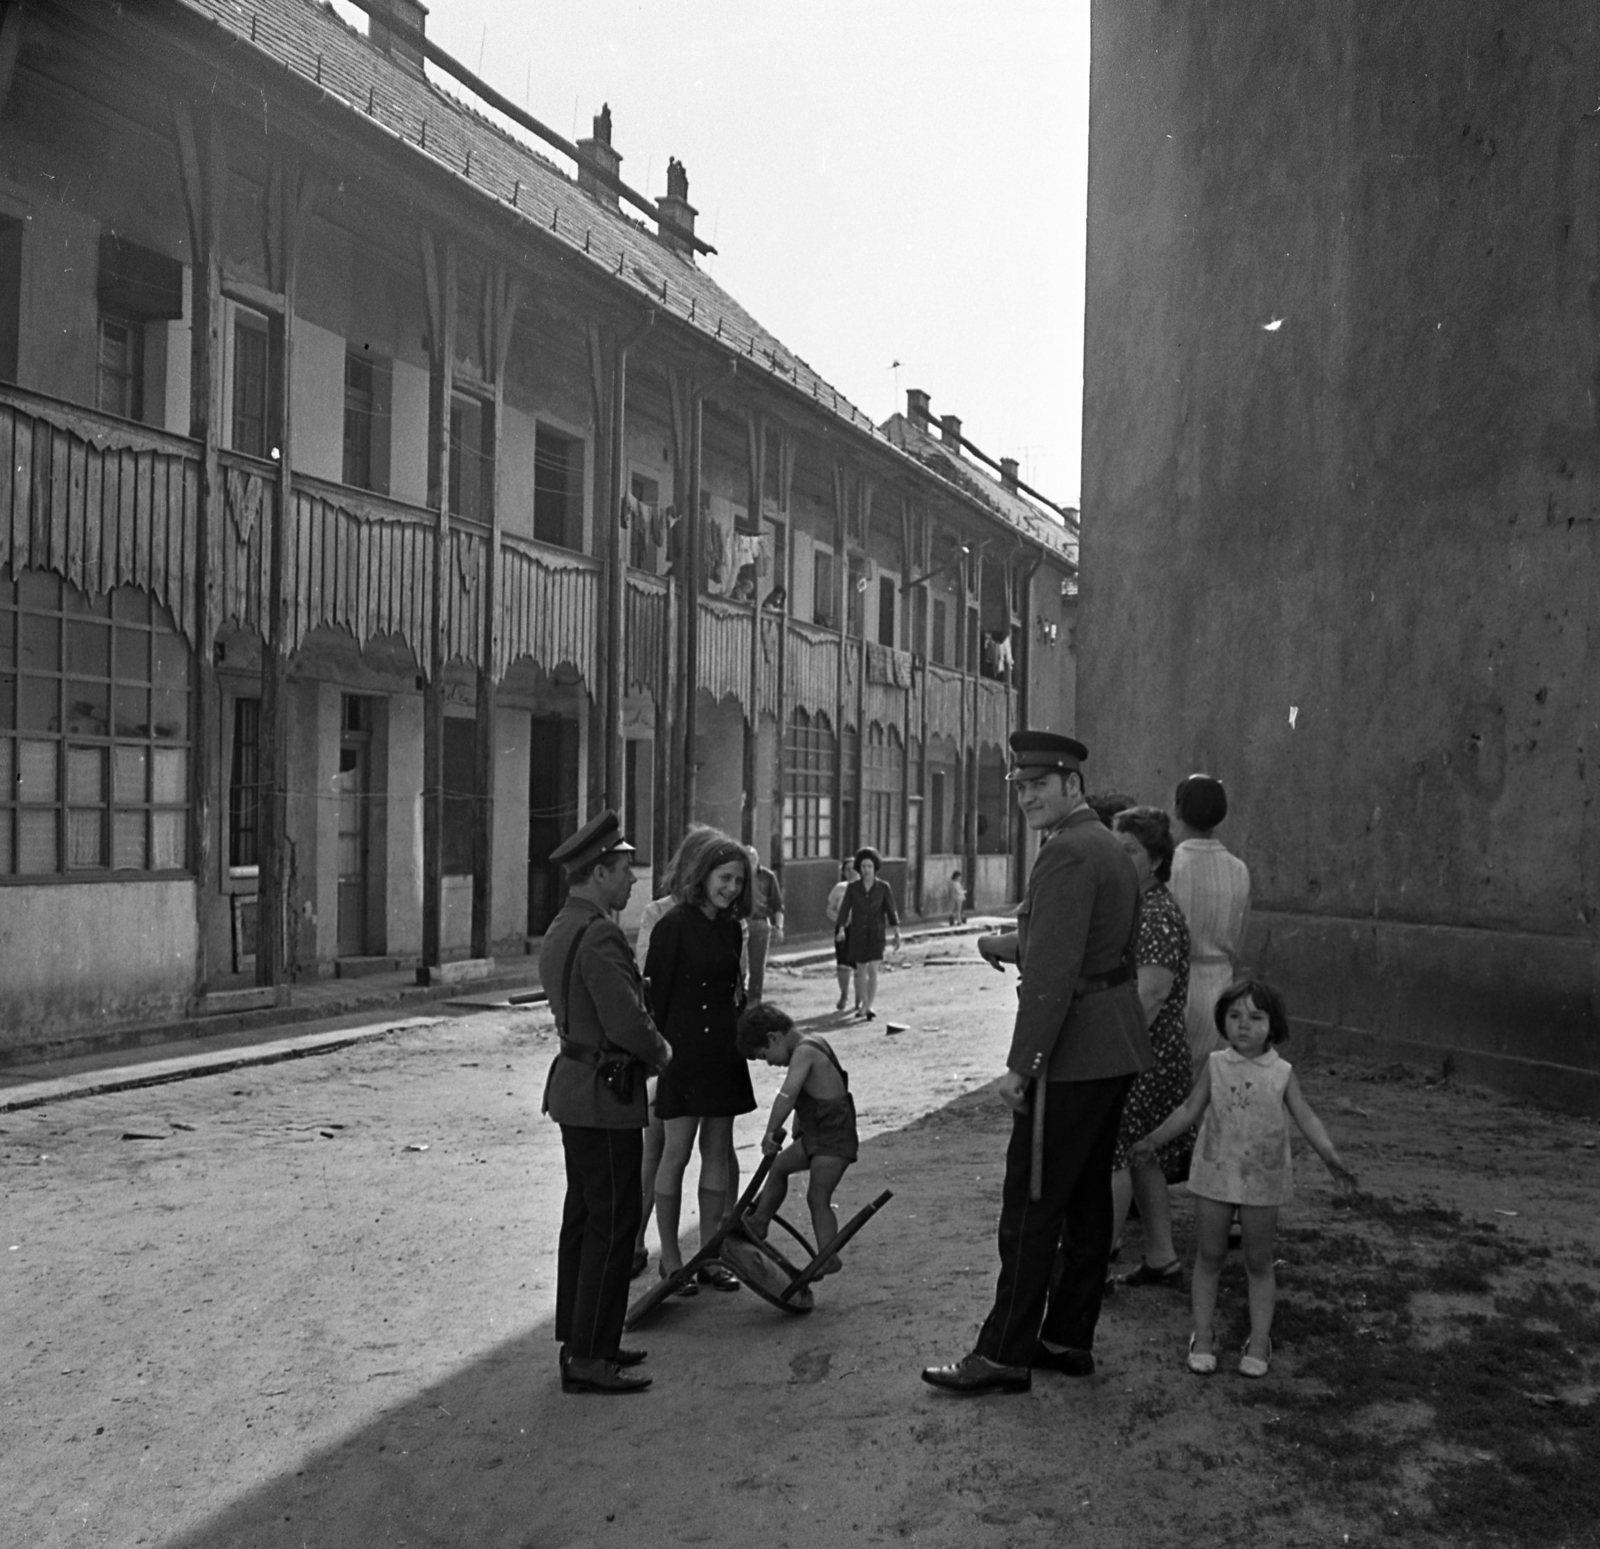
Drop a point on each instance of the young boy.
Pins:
(956, 899)
(817, 1092)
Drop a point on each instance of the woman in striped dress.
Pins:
(1212, 888)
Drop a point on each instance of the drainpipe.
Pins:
(617, 563)
(690, 665)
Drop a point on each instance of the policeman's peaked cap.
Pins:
(598, 840)
(1034, 753)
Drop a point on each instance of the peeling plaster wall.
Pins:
(1340, 494)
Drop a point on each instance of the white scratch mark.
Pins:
(1273, 326)
(1294, 713)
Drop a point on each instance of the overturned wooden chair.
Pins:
(754, 1262)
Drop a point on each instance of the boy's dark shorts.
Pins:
(830, 1129)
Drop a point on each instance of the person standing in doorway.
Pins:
(865, 918)
(596, 1093)
(1212, 888)
(765, 923)
(1078, 1042)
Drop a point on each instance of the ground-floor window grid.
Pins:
(94, 732)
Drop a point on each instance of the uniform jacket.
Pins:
(1077, 922)
(607, 1010)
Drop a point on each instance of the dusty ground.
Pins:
(272, 1323)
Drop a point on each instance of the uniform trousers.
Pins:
(1072, 1216)
(756, 945)
(598, 1226)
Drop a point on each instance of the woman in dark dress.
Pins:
(1161, 954)
(696, 992)
(864, 917)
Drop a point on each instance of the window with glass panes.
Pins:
(252, 389)
(809, 753)
(94, 732)
(119, 379)
(244, 785)
(882, 782)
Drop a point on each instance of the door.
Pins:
(355, 817)
(552, 813)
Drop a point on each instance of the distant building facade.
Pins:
(1341, 455)
(376, 502)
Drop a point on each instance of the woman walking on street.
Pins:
(696, 995)
(864, 917)
(841, 963)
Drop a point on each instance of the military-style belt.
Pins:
(1093, 984)
(591, 1056)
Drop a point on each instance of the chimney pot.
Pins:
(410, 13)
(1008, 473)
(596, 153)
(950, 425)
(917, 410)
(674, 214)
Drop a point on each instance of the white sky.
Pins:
(884, 181)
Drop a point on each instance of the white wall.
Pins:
(318, 389)
(514, 729)
(403, 830)
(514, 476)
(408, 448)
(77, 954)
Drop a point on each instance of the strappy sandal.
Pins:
(1201, 1362)
(1169, 1275)
(717, 1276)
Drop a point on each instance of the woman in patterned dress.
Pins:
(1161, 952)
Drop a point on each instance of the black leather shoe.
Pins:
(625, 1357)
(589, 1374)
(1070, 1363)
(977, 1374)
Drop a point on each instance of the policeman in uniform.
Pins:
(596, 1093)
(1079, 1041)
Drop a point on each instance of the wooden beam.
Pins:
(841, 586)
(276, 956)
(439, 272)
(202, 182)
(756, 445)
(502, 296)
(10, 44)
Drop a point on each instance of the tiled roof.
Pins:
(311, 41)
(1013, 509)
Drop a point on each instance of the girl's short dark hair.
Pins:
(759, 1026)
(867, 853)
(1201, 802)
(1153, 829)
(1266, 999)
(718, 850)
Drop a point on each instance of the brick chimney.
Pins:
(917, 410)
(410, 13)
(950, 432)
(1008, 473)
(597, 152)
(674, 214)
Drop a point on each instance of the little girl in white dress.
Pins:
(1243, 1101)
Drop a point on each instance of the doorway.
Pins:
(354, 786)
(552, 813)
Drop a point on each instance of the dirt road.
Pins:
(252, 1310)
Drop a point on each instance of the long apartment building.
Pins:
(378, 499)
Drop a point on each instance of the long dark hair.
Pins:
(717, 849)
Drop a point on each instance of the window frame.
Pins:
(99, 780)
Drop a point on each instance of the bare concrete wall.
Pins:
(78, 954)
(1340, 492)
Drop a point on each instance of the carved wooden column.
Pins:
(502, 293)
(439, 277)
(203, 171)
